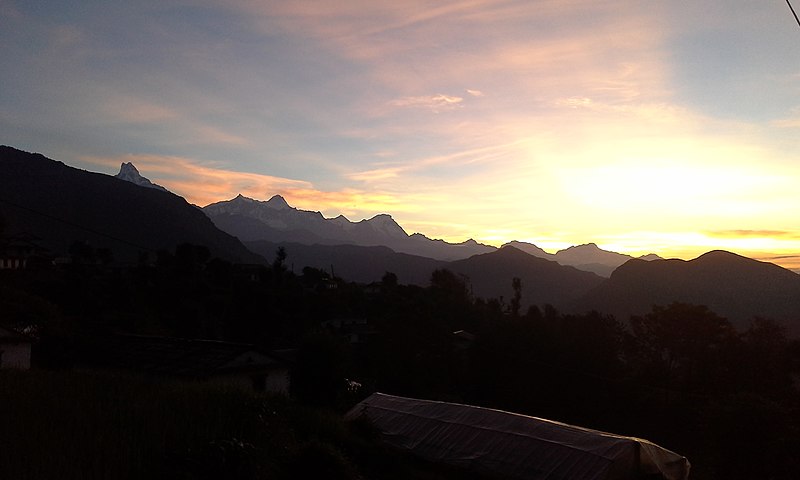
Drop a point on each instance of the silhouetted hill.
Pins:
(543, 281)
(490, 274)
(61, 205)
(733, 286)
(353, 262)
(591, 258)
(275, 220)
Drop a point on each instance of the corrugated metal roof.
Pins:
(515, 446)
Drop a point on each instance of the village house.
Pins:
(232, 364)
(354, 330)
(17, 250)
(15, 349)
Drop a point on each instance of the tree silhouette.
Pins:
(683, 346)
(451, 286)
(389, 280)
(280, 259)
(516, 284)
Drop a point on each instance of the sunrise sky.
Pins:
(644, 126)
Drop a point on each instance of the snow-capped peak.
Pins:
(278, 203)
(129, 173)
(384, 223)
(242, 198)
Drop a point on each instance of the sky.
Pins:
(656, 126)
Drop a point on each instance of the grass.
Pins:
(102, 425)
(97, 425)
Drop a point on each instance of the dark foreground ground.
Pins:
(100, 425)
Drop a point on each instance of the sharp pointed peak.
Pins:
(242, 199)
(127, 168)
(129, 173)
(278, 202)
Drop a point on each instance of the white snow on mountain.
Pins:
(129, 173)
(386, 225)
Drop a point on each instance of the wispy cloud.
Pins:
(182, 122)
(574, 102)
(214, 135)
(204, 184)
(128, 109)
(791, 121)
(377, 174)
(435, 103)
(780, 234)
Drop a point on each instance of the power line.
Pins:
(793, 13)
(75, 225)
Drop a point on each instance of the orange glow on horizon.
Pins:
(202, 185)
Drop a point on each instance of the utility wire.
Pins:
(793, 13)
(75, 225)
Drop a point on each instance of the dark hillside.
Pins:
(61, 205)
(353, 262)
(543, 281)
(735, 287)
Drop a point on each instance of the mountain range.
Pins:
(275, 220)
(130, 215)
(588, 257)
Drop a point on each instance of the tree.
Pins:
(764, 361)
(81, 252)
(190, 258)
(279, 264)
(683, 345)
(389, 280)
(516, 284)
(450, 285)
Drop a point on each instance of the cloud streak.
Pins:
(201, 184)
(792, 235)
(435, 103)
(205, 184)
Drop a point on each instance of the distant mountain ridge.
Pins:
(588, 257)
(275, 220)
